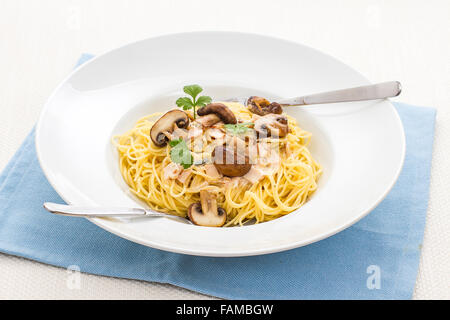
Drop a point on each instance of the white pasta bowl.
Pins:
(361, 146)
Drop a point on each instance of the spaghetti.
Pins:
(283, 176)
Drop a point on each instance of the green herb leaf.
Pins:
(193, 90)
(239, 128)
(188, 103)
(203, 101)
(185, 103)
(180, 153)
(174, 142)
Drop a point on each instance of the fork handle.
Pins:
(370, 92)
(93, 212)
(103, 212)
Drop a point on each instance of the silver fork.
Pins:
(111, 212)
(369, 92)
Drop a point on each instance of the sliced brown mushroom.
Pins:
(206, 212)
(230, 163)
(272, 125)
(166, 125)
(208, 120)
(262, 106)
(217, 112)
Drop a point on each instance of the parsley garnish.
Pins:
(188, 103)
(180, 153)
(239, 128)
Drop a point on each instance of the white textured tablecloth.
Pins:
(401, 40)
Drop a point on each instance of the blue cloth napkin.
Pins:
(377, 258)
